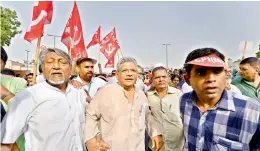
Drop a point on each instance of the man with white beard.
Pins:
(51, 114)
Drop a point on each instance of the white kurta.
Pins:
(50, 119)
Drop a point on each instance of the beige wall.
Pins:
(15, 65)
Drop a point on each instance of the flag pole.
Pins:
(99, 54)
(118, 56)
(121, 52)
(71, 45)
(243, 55)
(73, 61)
(99, 63)
(99, 46)
(36, 60)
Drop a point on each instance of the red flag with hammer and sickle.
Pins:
(109, 45)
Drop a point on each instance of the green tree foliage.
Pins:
(9, 25)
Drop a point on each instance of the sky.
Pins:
(143, 27)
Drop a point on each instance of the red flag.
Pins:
(109, 45)
(42, 14)
(95, 39)
(73, 33)
(110, 63)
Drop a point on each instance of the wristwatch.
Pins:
(5, 95)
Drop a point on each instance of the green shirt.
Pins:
(247, 88)
(14, 85)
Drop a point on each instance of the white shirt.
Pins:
(94, 85)
(234, 89)
(50, 119)
(186, 88)
(40, 78)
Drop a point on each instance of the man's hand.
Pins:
(4, 91)
(6, 147)
(101, 145)
(76, 84)
(157, 143)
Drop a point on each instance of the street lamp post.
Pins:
(166, 46)
(27, 51)
(54, 36)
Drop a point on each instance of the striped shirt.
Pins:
(233, 124)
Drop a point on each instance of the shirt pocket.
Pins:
(224, 144)
(143, 112)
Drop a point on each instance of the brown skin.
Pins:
(140, 72)
(127, 75)
(99, 68)
(250, 73)
(229, 78)
(86, 71)
(3, 89)
(208, 85)
(160, 82)
(175, 82)
(56, 69)
(2, 65)
(29, 80)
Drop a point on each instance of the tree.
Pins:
(9, 25)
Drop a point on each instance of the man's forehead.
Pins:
(87, 63)
(53, 55)
(160, 72)
(204, 67)
(127, 65)
(246, 65)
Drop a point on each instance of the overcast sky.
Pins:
(142, 28)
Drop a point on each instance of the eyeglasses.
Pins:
(129, 71)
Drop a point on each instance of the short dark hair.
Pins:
(4, 56)
(173, 76)
(29, 74)
(182, 71)
(158, 68)
(201, 52)
(8, 71)
(253, 61)
(40, 68)
(113, 72)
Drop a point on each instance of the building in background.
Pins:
(20, 67)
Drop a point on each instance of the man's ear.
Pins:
(117, 75)
(77, 69)
(258, 69)
(187, 79)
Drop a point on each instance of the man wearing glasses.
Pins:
(214, 118)
(117, 117)
(164, 103)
